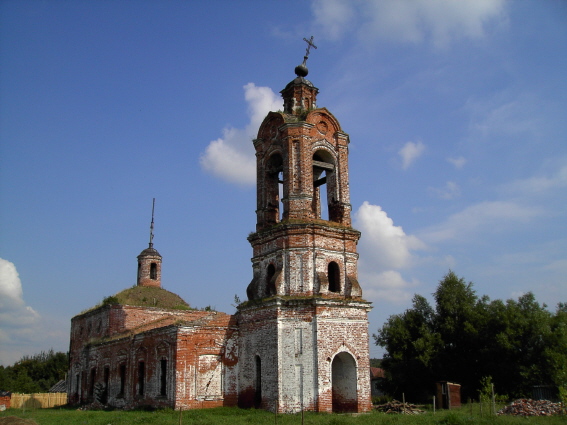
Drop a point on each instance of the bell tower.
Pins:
(304, 328)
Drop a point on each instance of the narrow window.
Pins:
(106, 384)
(334, 275)
(153, 271)
(298, 341)
(258, 386)
(77, 384)
(141, 377)
(163, 378)
(271, 286)
(122, 372)
(92, 383)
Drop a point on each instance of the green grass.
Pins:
(235, 416)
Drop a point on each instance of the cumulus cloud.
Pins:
(478, 219)
(231, 157)
(18, 323)
(410, 152)
(384, 249)
(412, 21)
(388, 285)
(385, 245)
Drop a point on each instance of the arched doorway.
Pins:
(343, 369)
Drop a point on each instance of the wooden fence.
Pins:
(38, 401)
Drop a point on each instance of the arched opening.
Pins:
(163, 378)
(153, 271)
(343, 370)
(91, 394)
(270, 281)
(141, 378)
(106, 388)
(258, 384)
(323, 184)
(334, 275)
(122, 373)
(274, 189)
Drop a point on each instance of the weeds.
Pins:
(235, 416)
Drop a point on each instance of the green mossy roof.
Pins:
(147, 296)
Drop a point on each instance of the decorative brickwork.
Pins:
(305, 323)
(300, 342)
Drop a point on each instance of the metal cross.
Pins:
(309, 45)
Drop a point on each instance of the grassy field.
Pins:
(235, 416)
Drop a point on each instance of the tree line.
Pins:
(34, 374)
(468, 339)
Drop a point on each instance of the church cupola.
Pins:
(149, 261)
(300, 95)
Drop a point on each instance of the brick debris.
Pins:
(528, 407)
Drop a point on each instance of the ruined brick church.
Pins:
(300, 341)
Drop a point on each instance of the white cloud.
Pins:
(410, 152)
(334, 16)
(385, 245)
(413, 21)
(481, 218)
(232, 157)
(538, 184)
(387, 286)
(451, 190)
(10, 286)
(458, 162)
(510, 116)
(19, 323)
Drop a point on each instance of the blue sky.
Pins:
(456, 113)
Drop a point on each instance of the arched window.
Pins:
(163, 378)
(270, 286)
(323, 184)
(334, 275)
(141, 378)
(92, 383)
(153, 271)
(122, 373)
(274, 189)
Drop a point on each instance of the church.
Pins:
(300, 340)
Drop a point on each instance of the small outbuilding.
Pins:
(448, 395)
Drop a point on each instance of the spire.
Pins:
(151, 245)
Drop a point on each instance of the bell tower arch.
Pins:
(304, 295)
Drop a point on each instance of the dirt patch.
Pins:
(13, 420)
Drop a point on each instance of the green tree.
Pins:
(410, 346)
(518, 343)
(33, 374)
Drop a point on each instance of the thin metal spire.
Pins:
(152, 224)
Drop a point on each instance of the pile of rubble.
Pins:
(527, 407)
(396, 406)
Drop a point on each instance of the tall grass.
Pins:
(235, 416)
